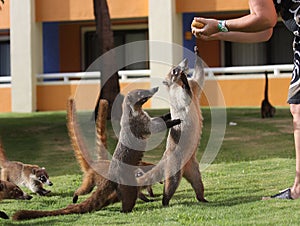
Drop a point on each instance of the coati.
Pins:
(136, 127)
(91, 177)
(179, 159)
(31, 176)
(9, 190)
(267, 110)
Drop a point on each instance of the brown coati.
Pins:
(91, 177)
(267, 110)
(9, 190)
(136, 127)
(179, 159)
(31, 176)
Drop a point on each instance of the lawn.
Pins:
(256, 159)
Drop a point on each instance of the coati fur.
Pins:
(179, 159)
(91, 177)
(9, 190)
(136, 127)
(31, 176)
(267, 110)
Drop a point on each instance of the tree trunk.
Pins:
(110, 86)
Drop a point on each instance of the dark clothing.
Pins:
(289, 10)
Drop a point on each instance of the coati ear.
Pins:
(184, 65)
(129, 102)
(33, 170)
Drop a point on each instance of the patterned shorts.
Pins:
(294, 89)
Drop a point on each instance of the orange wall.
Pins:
(74, 10)
(245, 92)
(4, 15)
(183, 6)
(5, 99)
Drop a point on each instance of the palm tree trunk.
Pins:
(110, 86)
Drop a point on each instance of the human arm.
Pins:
(262, 17)
(243, 37)
(2, 3)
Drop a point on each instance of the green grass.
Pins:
(256, 159)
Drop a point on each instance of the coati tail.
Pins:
(75, 136)
(3, 215)
(266, 86)
(3, 158)
(100, 198)
(101, 129)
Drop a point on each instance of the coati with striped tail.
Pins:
(91, 177)
(31, 176)
(267, 110)
(9, 190)
(179, 159)
(136, 127)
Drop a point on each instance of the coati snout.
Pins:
(136, 99)
(41, 175)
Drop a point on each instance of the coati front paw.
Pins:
(43, 192)
(171, 123)
(166, 116)
(75, 199)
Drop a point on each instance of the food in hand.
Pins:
(197, 24)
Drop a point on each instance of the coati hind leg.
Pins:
(170, 185)
(192, 175)
(128, 196)
(87, 185)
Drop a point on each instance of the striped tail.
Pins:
(100, 198)
(101, 129)
(75, 136)
(3, 158)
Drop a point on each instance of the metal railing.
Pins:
(275, 69)
(126, 75)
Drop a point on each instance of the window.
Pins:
(278, 50)
(4, 57)
(90, 47)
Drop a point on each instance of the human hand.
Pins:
(204, 28)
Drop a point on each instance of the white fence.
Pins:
(244, 71)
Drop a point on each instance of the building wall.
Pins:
(184, 6)
(76, 10)
(4, 15)
(5, 99)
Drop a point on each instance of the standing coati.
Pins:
(179, 159)
(136, 127)
(267, 110)
(30, 176)
(91, 177)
